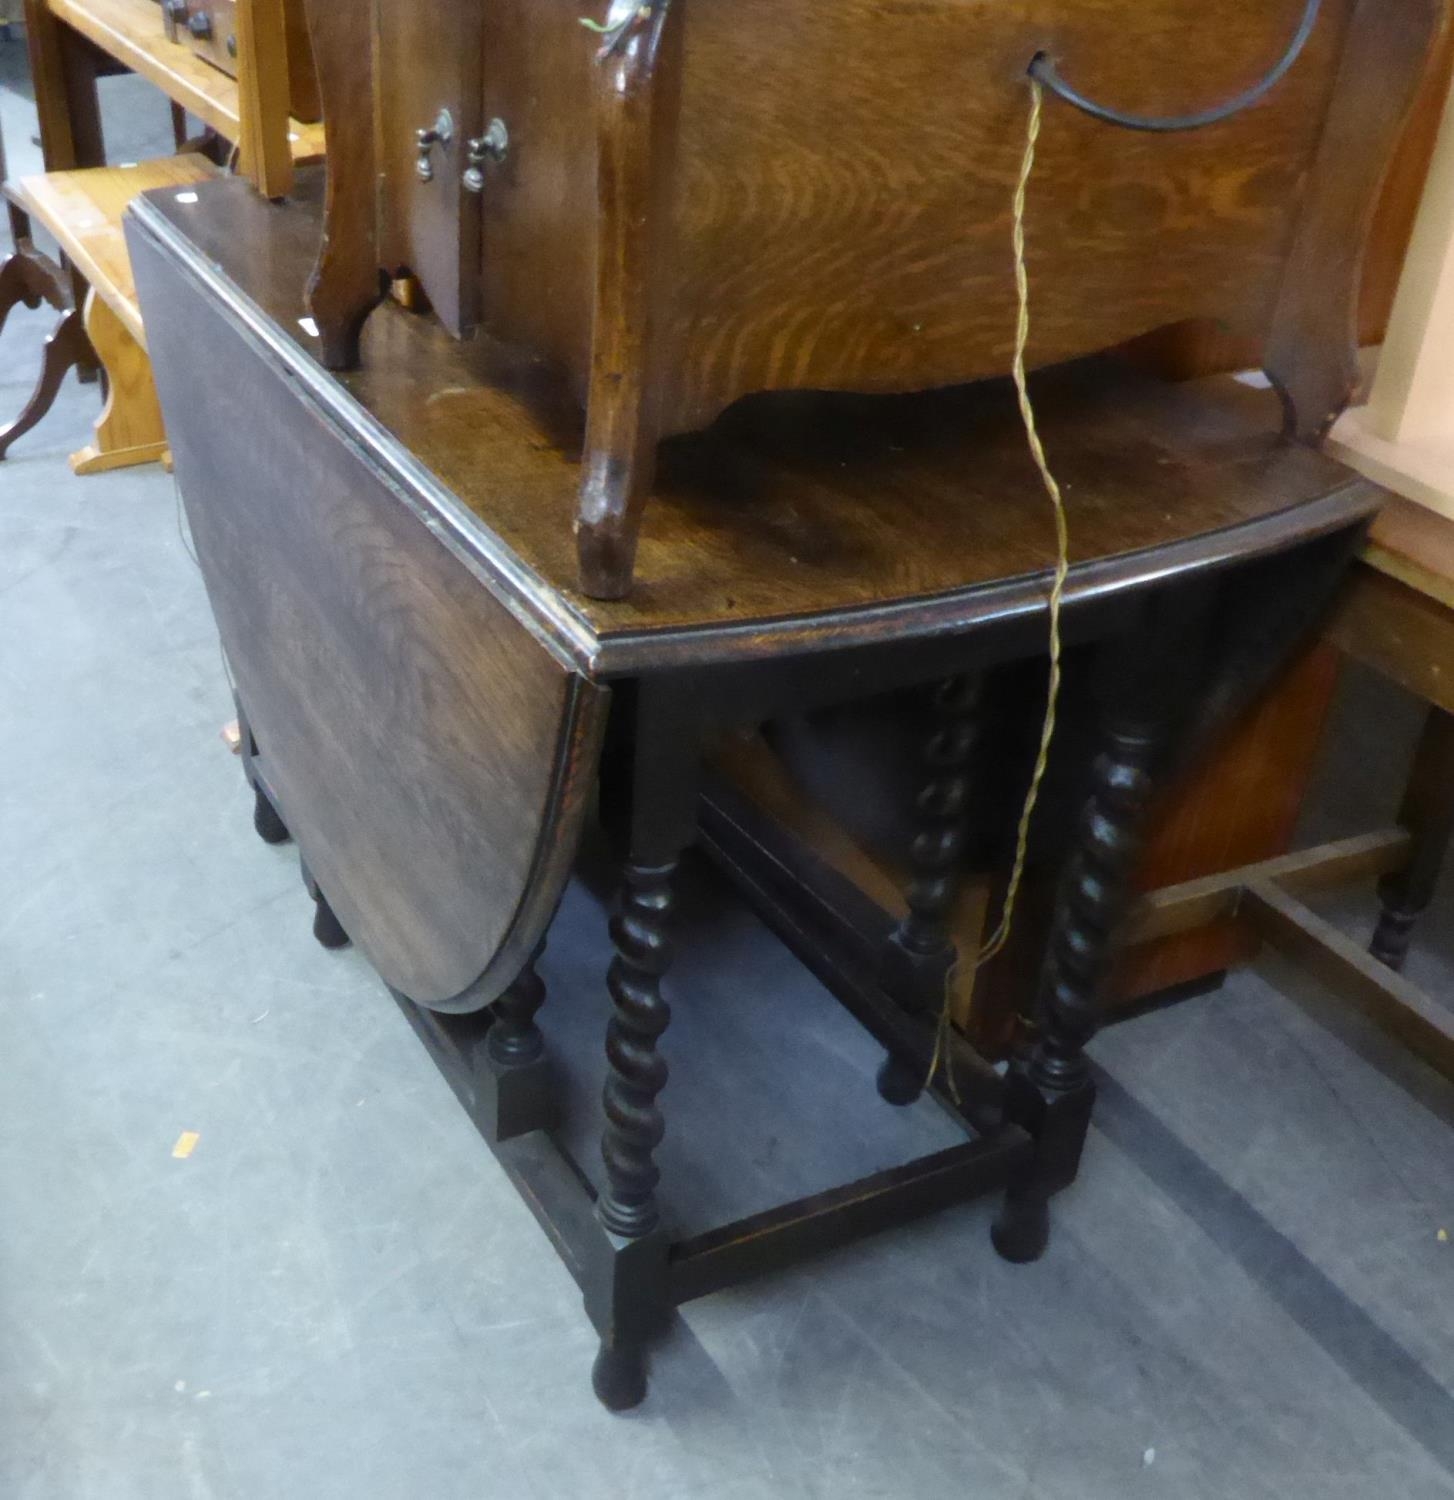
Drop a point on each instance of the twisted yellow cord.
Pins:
(1001, 934)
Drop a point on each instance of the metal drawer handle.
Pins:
(493, 145)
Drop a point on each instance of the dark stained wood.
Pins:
(432, 229)
(64, 67)
(1427, 813)
(625, 400)
(801, 522)
(386, 559)
(1050, 1091)
(430, 758)
(775, 194)
(1312, 352)
(65, 347)
(344, 281)
(1237, 805)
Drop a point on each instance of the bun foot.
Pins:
(898, 1083)
(618, 1376)
(1022, 1230)
(326, 927)
(270, 827)
(1392, 937)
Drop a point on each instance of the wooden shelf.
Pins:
(131, 32)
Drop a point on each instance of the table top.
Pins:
(798, 522)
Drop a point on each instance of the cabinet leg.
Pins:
(66, 347)
(1428, 814)
(1050, 1093)
(917, 959)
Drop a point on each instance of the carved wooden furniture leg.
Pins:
(347, 283)
(634, 1127)
(28, 279)
(621, 424)
(1050, 1092)
(519, 1095)
(627, 1291)
(920, 954)
(65, 348)
(129, 430)
(1428, 814)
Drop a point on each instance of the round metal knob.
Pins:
(199, 23)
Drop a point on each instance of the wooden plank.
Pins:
(1399, 631)
(131, 32)
(83, 210)
(782, 1236)
(1412, 544)
(1194, 903)
(1352, 974)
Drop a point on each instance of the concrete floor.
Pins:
(339, 1295)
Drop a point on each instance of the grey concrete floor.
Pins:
(339, 1295)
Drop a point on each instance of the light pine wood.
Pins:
(131, 32)
(83, 209)
(129, 430)
(262, 68)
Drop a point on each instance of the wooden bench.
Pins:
(83, 209)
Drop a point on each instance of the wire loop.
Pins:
(1042, 69)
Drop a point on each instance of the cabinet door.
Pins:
(539, 203)
(429, 65)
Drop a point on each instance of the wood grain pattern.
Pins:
(778, 195)
(221, 46)
(801, 521)
(1312, 350)
(430, 759)
(263, 150)
(129, 430)
(1399, 631)
(130, 32)
(344, 282)
(429, 228)
(1238, 805)
(83, 210)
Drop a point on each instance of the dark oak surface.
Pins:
(432, 759)
(800, 521)
(721, 199)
